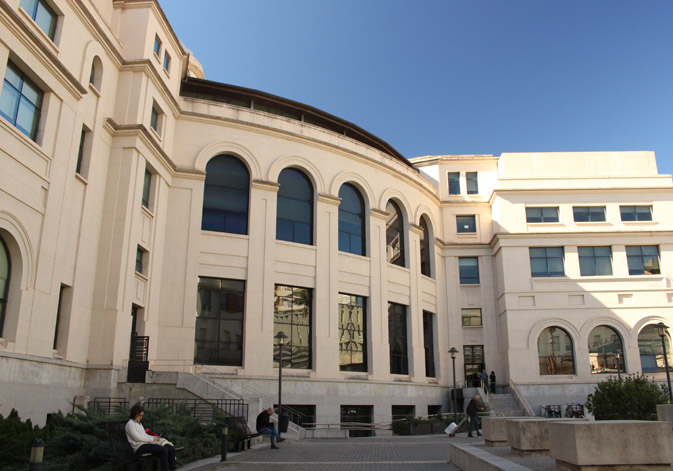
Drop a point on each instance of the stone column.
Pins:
(379, 366)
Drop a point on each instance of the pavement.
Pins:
(394, 453)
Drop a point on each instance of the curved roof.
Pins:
(254, 99)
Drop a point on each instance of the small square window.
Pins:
(595, 261)
(466, 224)
(643, 260)
(636, 213)
(589, 213)
(167, 62)
(454, 183)
(472, 183)
(546, 261)
(471, 317)
(540, 215)
(157, 45)
(468, 268)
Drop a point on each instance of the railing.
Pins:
(139, 348)
(522, 402)
(110, 405)
(201, 409)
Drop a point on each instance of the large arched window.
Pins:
(425, 248)
(394, 234)
(351, 220)
(651, 350)
(555, 352)
(294, 220)
(5, 270)
(604, 342)
(225, 197)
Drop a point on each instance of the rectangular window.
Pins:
(473, 356)
(397, 338)
(167, 62)
(352, 333)
(471, 317)
(466, 224)
(292, 315)
(468, 268)
(156, 118)
(402, 412)
(220, 312)
(454, 183)
(62, 317)
(643, 259)
(147, 186)
(21, 101)
(539, 215)
(595, 261)
(589, 213)
(472, 183)
(636, 213)
(84, 152)
(141, 260)
(546, 261)
(429, 344)
(43, 14)
(357, 414)
(157, 45)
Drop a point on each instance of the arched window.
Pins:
(96, 76)
(555, 352)
(225, 197)
(604, 342)
(425, 248)
(351, 220)
(294, 219)
(651, 350)
(5, 270)
(394, 234)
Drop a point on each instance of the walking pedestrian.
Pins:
(473, 408)
(492, 380)
(484, 380)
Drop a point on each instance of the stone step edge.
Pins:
(470, 458)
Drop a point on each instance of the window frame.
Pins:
(142, 261)
(4, 295)
(464, 277)
(542, 217)
(289, 350)
(465, 317)
(469, 222)
(18, 94)
(594, 259)
(287, 200)
(472, 183)
(425, 247)
(548, 273)
(157, 46)
(563, 356)
(359, 302)
(395, 222)
(608, 355)
(589, 214)
(225, 174)
(34, 7)
(454, 181)
(166, 63)
(633, 257)
(636, 218)
(429, 344)
(157, 118)
(344, 223)
(398, 324)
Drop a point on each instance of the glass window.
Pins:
(218, 334)
(474, 364)
(397, 338)
(147, 186)
(352, 333)
(156, 119)
(589, 213)
(294, 218)
(226, 196)
(468, 268)
(471, 317)
(394, 235)
(425, 246)
(555, 352)
(636, 213)
(83, 153)
(167, 62)
(5, 271)
(402, 412)
(546, 261)
(357, 414)
(466, 224)
(604, 342)
(292, 316)
(454, 183)
(595, 261)
(643, 259)
(43, 14)
(539, 215)
(429, 344)
(21, 101)
(472, 183)
(652, 351)
(351, 220)
(141, 262)
(157, 45)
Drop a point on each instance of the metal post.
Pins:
(661, 328)
(281, 340)
(453, 353)
(36, 454)
(225, 432)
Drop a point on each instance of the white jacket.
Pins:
(136, 435)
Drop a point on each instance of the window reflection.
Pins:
(555, 352)
(394, 234)
(292, 316)
(651, 350)
(352, 333)
(604, 342)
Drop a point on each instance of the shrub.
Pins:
(632, 398)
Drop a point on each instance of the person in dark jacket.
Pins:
(473, 409)
(484, 380)
(266, 426)
(492, 382)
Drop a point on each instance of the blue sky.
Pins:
(455, 77)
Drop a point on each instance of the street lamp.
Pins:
(618, 355)
(454, 352)
(661, 328)
(280, 336)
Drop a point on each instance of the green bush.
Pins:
(16, 438)
(634, 397)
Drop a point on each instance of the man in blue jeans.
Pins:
(266, 426)
(473, 408)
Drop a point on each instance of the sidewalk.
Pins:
(396, 453)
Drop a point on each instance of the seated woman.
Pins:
(142, 442)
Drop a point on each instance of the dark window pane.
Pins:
(397, 337)
(352, 333)
(394, 235)
(425, 247)
(226, 196)
(468, 270)
(351, 220)
(295, 203)
(472, 183)
(466, 224)
(454, 183)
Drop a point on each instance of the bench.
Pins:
(124, 456)
(240, 433)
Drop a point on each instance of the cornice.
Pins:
(146, 66)
(265, 185)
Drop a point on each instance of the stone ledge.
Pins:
(471, 458)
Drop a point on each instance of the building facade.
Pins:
(156, 226)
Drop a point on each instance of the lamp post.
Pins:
(661, 328)
(280, 336)
(618, 354)
(454, 352)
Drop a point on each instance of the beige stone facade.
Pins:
(106, 132)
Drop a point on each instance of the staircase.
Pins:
(504, 405)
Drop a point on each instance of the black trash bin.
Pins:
(283, 422)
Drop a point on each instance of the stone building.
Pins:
(158, 230)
